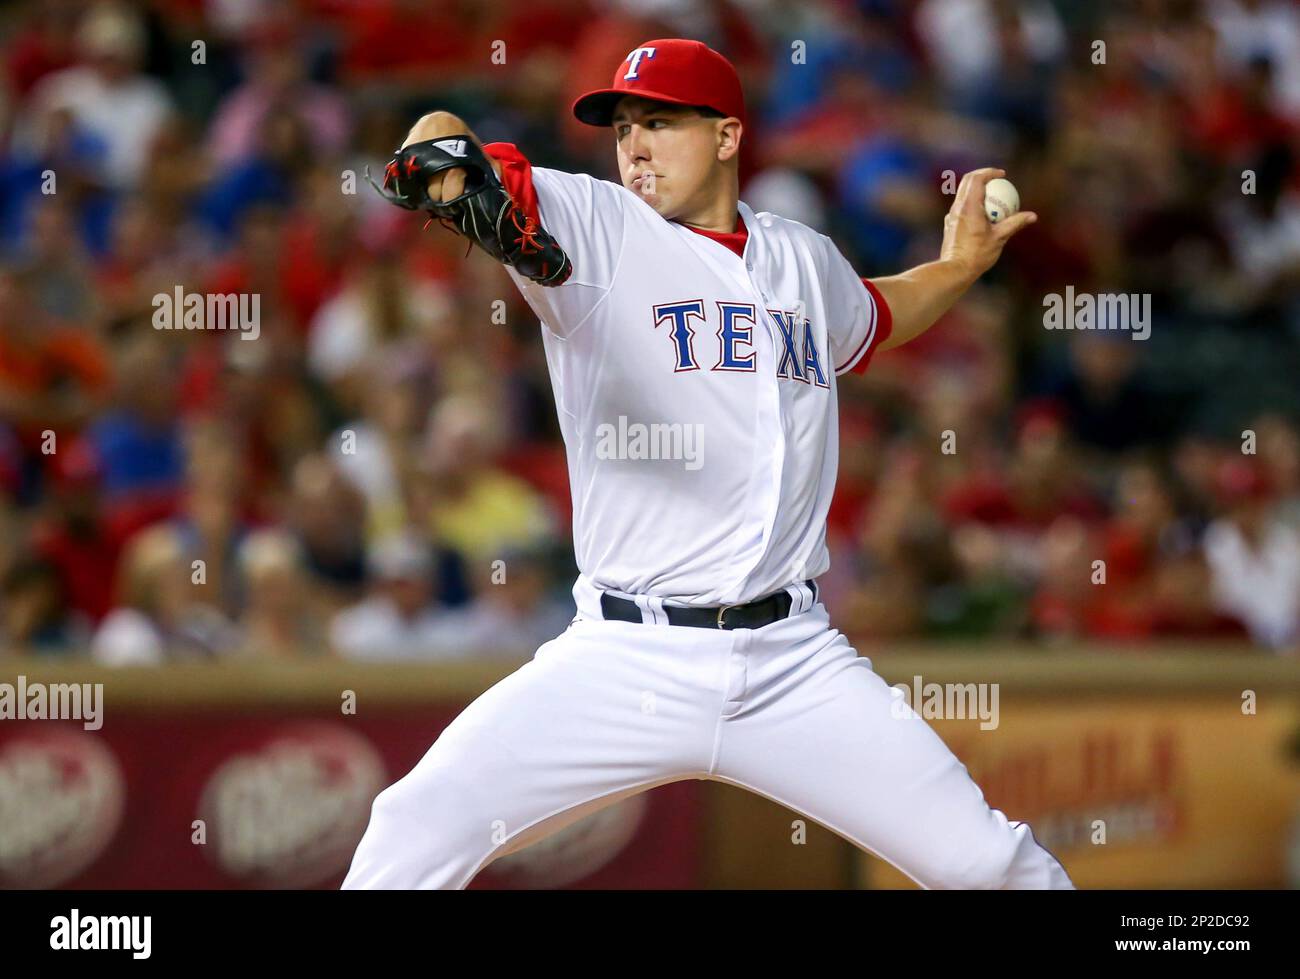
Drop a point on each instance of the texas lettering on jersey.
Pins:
(800, 359)
(737, 336)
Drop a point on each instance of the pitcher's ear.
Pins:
(730, 131)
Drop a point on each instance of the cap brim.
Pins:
(597, 108)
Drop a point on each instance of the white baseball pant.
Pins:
(609, 709)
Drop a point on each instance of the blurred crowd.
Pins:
(379, 474)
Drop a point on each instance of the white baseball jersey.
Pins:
(666, 343)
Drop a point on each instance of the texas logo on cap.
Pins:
(674, 70)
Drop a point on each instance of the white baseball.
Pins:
(1001, 199)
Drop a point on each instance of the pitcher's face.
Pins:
(668, 155)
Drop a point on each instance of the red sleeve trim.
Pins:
(877, 334)
(517, 175)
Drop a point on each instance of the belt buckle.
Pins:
(722, 610)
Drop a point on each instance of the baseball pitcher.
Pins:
(693, 347)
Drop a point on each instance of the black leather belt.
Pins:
(752, 615)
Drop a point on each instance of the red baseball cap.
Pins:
(668, 70)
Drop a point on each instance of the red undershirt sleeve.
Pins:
(516, 175)
(884, 327)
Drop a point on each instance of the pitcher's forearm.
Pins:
(919, 296)
(971, 245)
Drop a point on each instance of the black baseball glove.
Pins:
(484, 213)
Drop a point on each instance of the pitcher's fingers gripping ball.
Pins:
(484, 212)
(971, 235)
